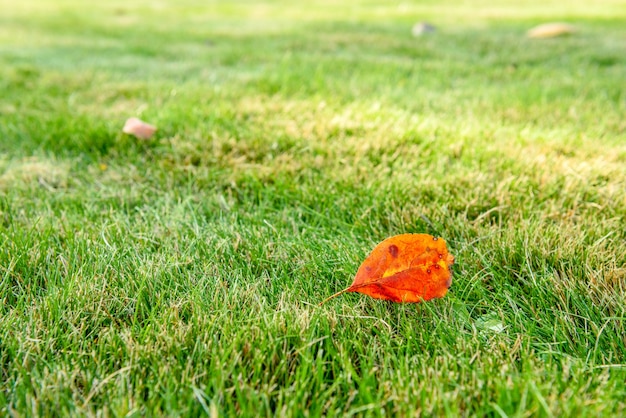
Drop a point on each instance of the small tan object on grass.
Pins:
(139, 128)
(550, 30)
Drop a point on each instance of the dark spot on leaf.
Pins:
(437, 266)
(440, 256)
(429, 271)
(393, 250)
(368, 268)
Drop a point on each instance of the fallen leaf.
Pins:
(139, 128)
(405, 268)
(490, 322)
(550, 30)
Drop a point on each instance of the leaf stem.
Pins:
(333, 296)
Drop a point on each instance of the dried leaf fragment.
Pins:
(139, 128)
(405, 268)
(550, 30)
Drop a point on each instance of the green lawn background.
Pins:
(181, 275)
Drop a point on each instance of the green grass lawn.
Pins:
(181, 275)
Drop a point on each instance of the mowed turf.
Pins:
(181, 275)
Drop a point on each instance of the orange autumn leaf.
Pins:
(405, 268)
